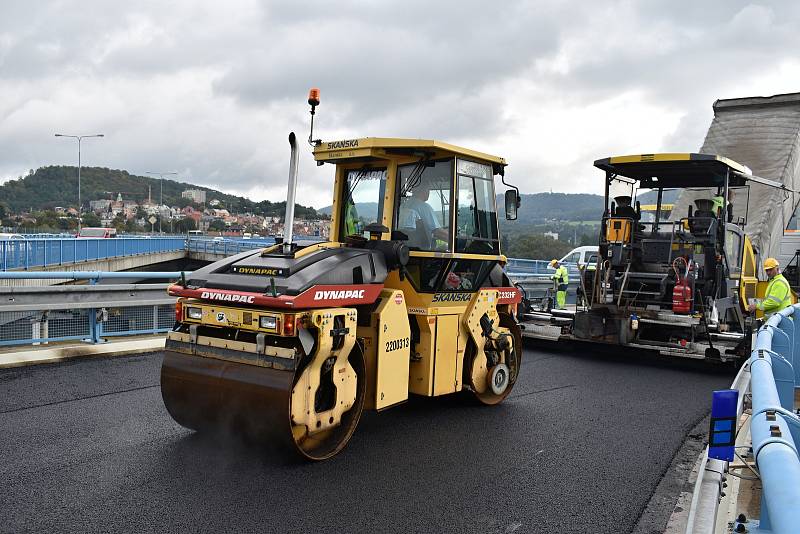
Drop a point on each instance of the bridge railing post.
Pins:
(95, 325)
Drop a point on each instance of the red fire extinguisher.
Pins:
(682, 292)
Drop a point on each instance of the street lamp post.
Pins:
(79, 138)
(161, 197)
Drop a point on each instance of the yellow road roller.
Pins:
(291, 343)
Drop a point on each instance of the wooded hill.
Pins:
(53, 186)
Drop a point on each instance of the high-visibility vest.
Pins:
(718, 201)
(351, 219)
(561, 275)
(777, 297)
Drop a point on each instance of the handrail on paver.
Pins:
(774, 368)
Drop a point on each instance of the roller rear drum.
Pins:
(209, 394)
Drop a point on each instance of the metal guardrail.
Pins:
(41, 315)
(47, 251)
(774, 369)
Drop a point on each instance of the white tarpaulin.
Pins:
(762, 133)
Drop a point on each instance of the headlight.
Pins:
(194, 313)
(270, 323)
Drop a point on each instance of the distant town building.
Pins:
(195, 195)
(554, 235)
(99, 205)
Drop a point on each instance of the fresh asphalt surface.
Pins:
(579, 446)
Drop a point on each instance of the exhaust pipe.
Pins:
(288, 222)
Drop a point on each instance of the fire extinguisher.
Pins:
(682, 292)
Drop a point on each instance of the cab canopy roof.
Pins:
(681, 170)
(368, 148)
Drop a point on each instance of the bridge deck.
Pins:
(578, 447)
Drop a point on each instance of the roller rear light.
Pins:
(289, 325)
(178, 311)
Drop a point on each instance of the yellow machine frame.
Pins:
(445, 332)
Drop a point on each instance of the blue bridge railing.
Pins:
(774, 426)
(771, 376)
(47, 251)
(228, 247)
(42, 250)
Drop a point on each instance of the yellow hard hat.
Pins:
(770, 263)
(553, 262)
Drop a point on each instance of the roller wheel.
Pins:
(325, 444)
(485, 391)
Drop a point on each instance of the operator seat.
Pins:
(703, 217)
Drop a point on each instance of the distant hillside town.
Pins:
(45, 201)
(210, 217)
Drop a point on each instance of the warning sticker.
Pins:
(398, 299)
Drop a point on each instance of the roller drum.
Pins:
(209, 394)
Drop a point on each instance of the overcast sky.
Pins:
(211, 89)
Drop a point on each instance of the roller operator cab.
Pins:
(291, 343)
(679, 279)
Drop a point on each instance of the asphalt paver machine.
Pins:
(291, 343)
(680, 286)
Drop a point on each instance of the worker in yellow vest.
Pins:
(561, 280)
(778, 295)
(352, 224)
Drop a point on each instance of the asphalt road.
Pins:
(578, 447)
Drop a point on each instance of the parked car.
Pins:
(583, 257)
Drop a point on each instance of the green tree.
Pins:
(91, 220)
(217, 225)
(119, 223)
(131, 227)
(537, 247)
(184, 225)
